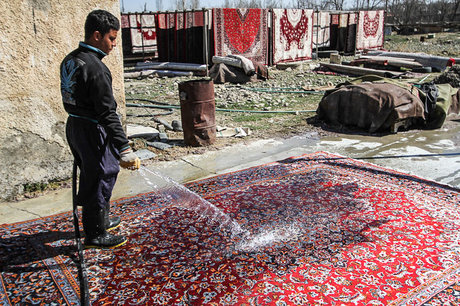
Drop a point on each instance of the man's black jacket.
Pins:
(86, 87)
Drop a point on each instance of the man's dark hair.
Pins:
(102, 21)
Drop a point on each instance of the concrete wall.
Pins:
(35, 35)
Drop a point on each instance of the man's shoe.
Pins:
(104, 241)
(95, 221)
(113, 223)
(110, 223)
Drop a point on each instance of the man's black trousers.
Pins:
(97, 159)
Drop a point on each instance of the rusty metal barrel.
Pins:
(198, 112)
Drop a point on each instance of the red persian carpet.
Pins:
(241, 32)
(292, 35)
(316, 230)
(370, 31)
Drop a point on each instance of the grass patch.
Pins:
(250, 117)
(34, 187)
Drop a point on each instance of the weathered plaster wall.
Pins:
(35, 35)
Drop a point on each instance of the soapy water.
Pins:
(269, 237)
(179, 196)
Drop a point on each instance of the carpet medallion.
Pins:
(316, 229)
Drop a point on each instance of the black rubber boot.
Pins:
(110, 223)
(96, 235)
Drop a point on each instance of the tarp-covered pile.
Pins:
(376, 104)
(236, 69)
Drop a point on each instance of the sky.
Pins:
(131, 6)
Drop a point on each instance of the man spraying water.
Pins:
(94, 132)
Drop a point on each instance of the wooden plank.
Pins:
(170, 66)
(358, 71)
(397, 62)
(427, 60)
(160, 73)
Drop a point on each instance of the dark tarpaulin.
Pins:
(370, 106)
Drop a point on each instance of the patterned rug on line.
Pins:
(317, 229)
(143, 33)
(370, 30)
(321, 29)
(241, 32)
(292, 35)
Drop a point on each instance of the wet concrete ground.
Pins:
(434, 155)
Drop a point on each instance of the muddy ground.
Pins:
(275, 94)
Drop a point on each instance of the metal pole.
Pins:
(142, 37)
(318, 27)
(82, 274)
(356, 31)
(205, 40)
(176, 34)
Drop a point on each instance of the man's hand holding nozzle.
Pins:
(129, 160)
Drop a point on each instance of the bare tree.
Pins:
(410, 7)
(239, 3)
(181, 5)
(159, 5)
(271, 4)
(194, 4)
(440, 10)
(454, 10)
(338, 4)
(254, 4)
(314, 4)
(248, 3)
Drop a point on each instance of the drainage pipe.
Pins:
(284, 90)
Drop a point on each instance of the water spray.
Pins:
(179, 196)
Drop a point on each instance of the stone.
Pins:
(159, 145)
(161, 128)
(177, 126)
(145, 154)
(139, 131)
(163, 122)
(163, 137)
